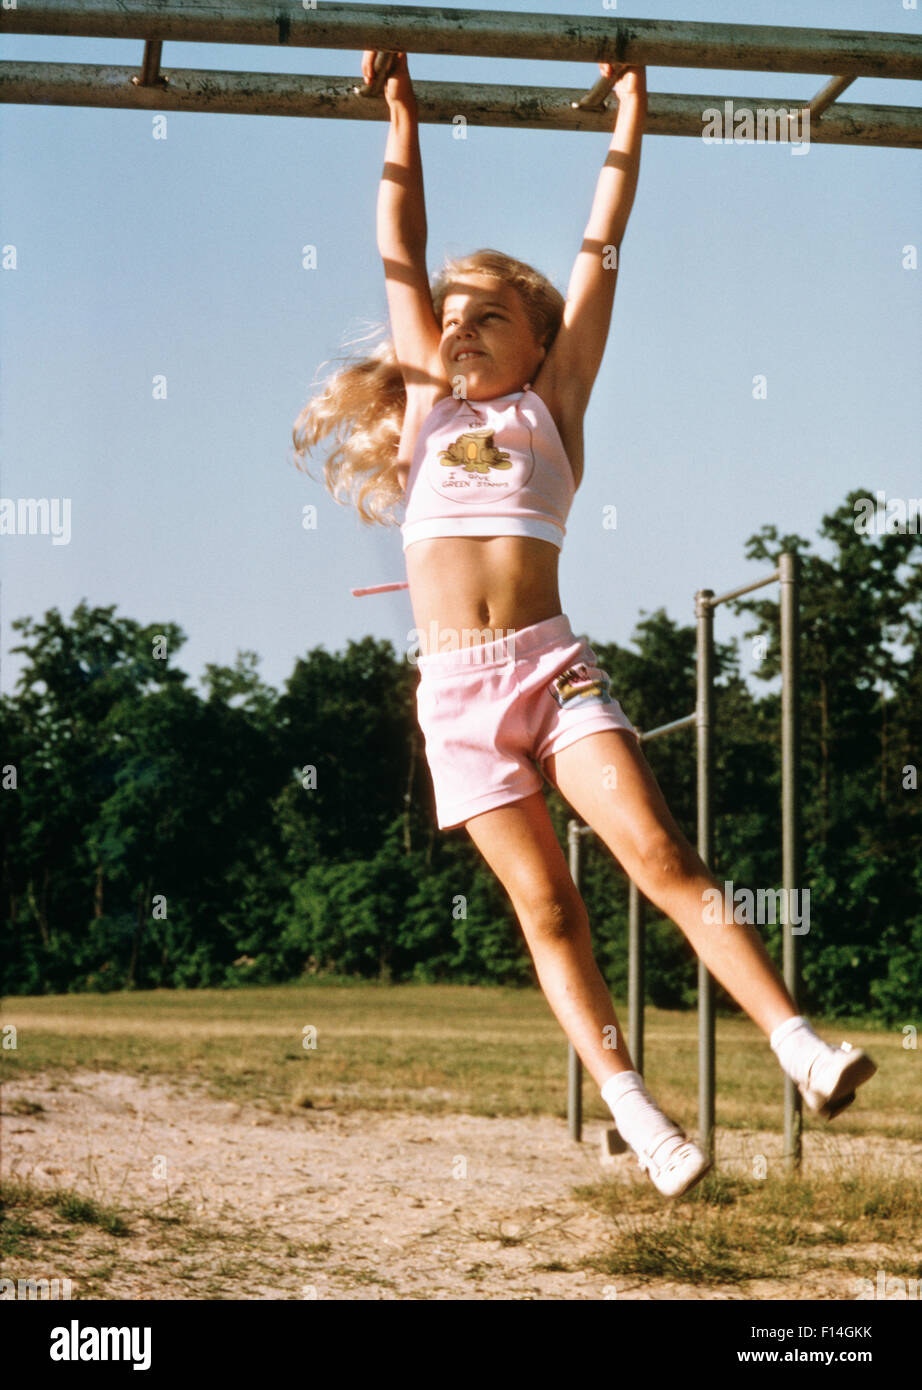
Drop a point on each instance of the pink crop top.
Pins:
(489, 468)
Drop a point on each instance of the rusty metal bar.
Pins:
(743, 589)
(539, 108)
(481, 33)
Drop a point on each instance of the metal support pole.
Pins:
(704, 613)
(595, 98)
(150, 75)
(636, 974)
(813, 111)
(745, 588)
(574, 1062)
(789, 567)
(827, 95)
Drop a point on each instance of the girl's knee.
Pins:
(667, 861)
(553, 915)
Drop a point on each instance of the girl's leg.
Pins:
(628, 812)
(519, 844)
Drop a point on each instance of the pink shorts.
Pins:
(491, 713)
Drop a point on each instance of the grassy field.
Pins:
(440, 1050)
(430, 1048)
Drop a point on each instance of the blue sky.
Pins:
(181, 257)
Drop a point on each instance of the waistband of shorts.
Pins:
(467, 651)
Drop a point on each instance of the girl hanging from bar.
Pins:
(470, 418)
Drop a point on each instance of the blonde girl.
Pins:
(472, 419)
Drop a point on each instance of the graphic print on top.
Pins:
(489, 468)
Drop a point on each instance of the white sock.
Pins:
(639, 1119)
(797, 1046)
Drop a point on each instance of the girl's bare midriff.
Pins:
(461, 583)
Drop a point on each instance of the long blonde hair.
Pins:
(363, 404)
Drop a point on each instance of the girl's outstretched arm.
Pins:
(579, 347)
(401, 205)
(402, 232)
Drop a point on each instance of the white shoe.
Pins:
(833, 1079)
(674, 1163)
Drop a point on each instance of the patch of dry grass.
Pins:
(731, 1229)
(46, 1232)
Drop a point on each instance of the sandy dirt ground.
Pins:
(231, 1201)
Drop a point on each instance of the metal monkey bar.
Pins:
(842, 54)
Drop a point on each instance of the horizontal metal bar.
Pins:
(483, 33)
(685, 723)
(539, 108)
(744, 589)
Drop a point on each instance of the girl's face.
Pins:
(487, 339)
